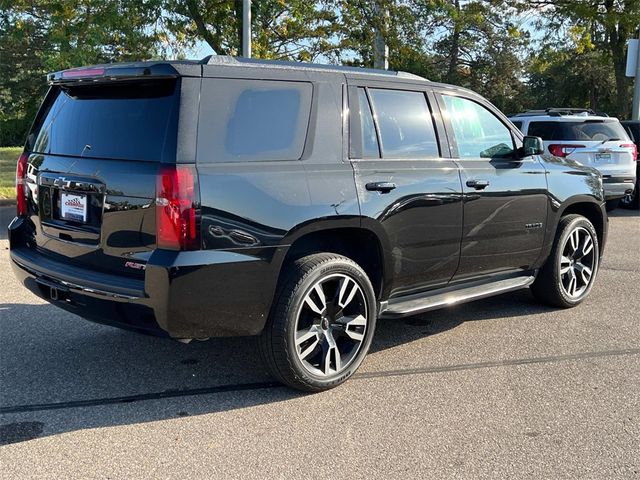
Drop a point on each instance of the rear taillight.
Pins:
(177, 208)
(634, 150)
(562, 149)
(21, 194)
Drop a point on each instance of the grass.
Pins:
(8, 159)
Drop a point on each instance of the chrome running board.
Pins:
(415, 304)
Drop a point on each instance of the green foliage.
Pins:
(8, 159)
(38, 36)
(292, 29)
(589, 37)
(577, 59)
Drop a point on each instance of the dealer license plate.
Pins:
(73, 207)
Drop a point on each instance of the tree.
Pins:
(37, 37)
(606, 27)
(293, 29)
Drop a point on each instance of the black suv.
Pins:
(292, 201)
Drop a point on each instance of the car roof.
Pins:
(195, 68)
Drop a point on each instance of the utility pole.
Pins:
(635, 110)
(246, 28)
(380, 48)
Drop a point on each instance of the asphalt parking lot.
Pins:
(501, 388)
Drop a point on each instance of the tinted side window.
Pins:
(478, 132)
(367, 128)
(252, 120)
(517, 124)
(405, 124)
(544, 130)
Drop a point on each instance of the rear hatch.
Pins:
(599, 143)
(93, 159)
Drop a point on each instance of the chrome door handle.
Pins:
(478, 184)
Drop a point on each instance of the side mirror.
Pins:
(532, 146)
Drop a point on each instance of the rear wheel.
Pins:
(321, 324)
(566, 278)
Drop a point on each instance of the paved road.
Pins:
(502, 388)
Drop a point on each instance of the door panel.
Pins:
(504, 222)
(413, 195)
(422, 218)
(505, 198)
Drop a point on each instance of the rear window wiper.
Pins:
(611, 140)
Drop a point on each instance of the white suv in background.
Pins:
(594, 140)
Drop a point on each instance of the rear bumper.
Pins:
(183, 295)
(618, 187)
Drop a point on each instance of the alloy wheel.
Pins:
(578, 263)
(331, 325)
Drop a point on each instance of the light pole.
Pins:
(635, 110)
(246, 28)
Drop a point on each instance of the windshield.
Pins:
(133, 121)
(589, 130)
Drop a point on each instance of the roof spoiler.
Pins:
(114, 72)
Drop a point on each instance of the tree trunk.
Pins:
(454, 55)
(617, 36)
(204, 32)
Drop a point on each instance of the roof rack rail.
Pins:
(255, 62)
(560, 111)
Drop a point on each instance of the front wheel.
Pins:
(566, 278)
(321, 324)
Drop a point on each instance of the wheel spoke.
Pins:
(305, 335)
(575, 240)
(312, 304)
(565, 265)
(354, 322)
(573, 284)
(346, 293)
(301, 337)
(332, 351)
(585, 272)
(587, 246)
(320, 293)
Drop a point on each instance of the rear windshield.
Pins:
(134, 121)
(589, 130)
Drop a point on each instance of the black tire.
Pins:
(278, 347)
(612, 204)
(632, 201)
(549, 286)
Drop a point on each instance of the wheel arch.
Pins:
(592, 211)
(360, 244)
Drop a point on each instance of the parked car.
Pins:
(632, 200)
(593, 140)
(297, 202)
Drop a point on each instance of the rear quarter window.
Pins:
(253, 120)
(129, 121)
